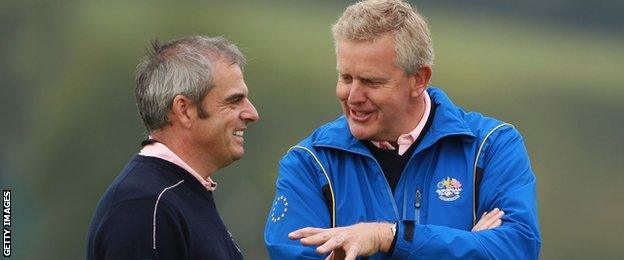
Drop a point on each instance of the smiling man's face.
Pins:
(378, 98)
(228, 110)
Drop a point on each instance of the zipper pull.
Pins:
(418, 197)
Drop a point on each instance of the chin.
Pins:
(234, 157)
(359, 132)
(237, 155)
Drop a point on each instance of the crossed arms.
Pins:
(508, 184)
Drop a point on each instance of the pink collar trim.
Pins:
(406, 140)
(161, 151)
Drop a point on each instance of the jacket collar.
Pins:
(447, 122)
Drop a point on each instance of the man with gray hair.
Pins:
(194, 103)
(404, 173)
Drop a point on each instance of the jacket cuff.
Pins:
(404, 238)
(393, 244)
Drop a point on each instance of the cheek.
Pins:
(385, 102)
(342, 91)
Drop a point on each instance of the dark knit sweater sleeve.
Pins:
(127, 232)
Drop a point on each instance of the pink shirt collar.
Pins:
(406, 140)
(161, 151)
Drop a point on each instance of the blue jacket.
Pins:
(466, 164)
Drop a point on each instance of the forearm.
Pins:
(510, 241)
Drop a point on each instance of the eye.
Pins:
(236, 100)
(345, 78)
(233, 99)
(371, 82)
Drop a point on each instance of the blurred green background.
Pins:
(553, 68)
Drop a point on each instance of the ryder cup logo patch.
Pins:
(280, 207)
(448, 189)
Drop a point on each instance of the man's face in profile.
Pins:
(374, 92)
(228, 111)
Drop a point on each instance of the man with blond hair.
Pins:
(404, 173)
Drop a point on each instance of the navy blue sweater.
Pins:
(155, 209)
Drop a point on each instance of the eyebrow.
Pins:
(376, 79)
(234, 97)
(365, 77)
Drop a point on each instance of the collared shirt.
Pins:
(406, 140)
(356, 191)
(161, 151)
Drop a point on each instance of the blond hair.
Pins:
(371, 19)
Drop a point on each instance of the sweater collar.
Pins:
(160, 150)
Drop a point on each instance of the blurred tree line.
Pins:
(67, 89)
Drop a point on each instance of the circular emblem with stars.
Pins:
(449, 189)
(280, 207)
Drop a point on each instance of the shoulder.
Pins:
(495, 139)
(448, 115)
(333, 132)
(492, 136)
(143, 180)
(150, 177)
(308, 157)
(128, 205)
(483, 127)
(489, 133)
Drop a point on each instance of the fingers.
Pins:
(334, 242)
(305, 232)
(489, 220)
(316, 240)
(330, 256)
(478, 226)
(352, 253)
(337, 254)
(344, 242)
(496, 224)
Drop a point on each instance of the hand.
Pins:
(489, 220)
(361, 239)
(337, 254)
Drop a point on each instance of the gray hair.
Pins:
(371, 19)
(183, 66)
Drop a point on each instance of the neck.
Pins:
(197, 159)
(413, 115)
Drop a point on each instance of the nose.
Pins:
(249, 114)
(356, 93)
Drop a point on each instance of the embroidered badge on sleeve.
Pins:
(280, 207)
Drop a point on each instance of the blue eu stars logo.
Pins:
(280, 207)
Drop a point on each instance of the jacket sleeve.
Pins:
(509, 184)
(298, 203)
(128, 233)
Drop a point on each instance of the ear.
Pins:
(421, 80)
(183, 111)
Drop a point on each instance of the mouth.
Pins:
(359, 116)
(239, 133)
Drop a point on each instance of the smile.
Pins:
(239, 133)
(359, 116)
